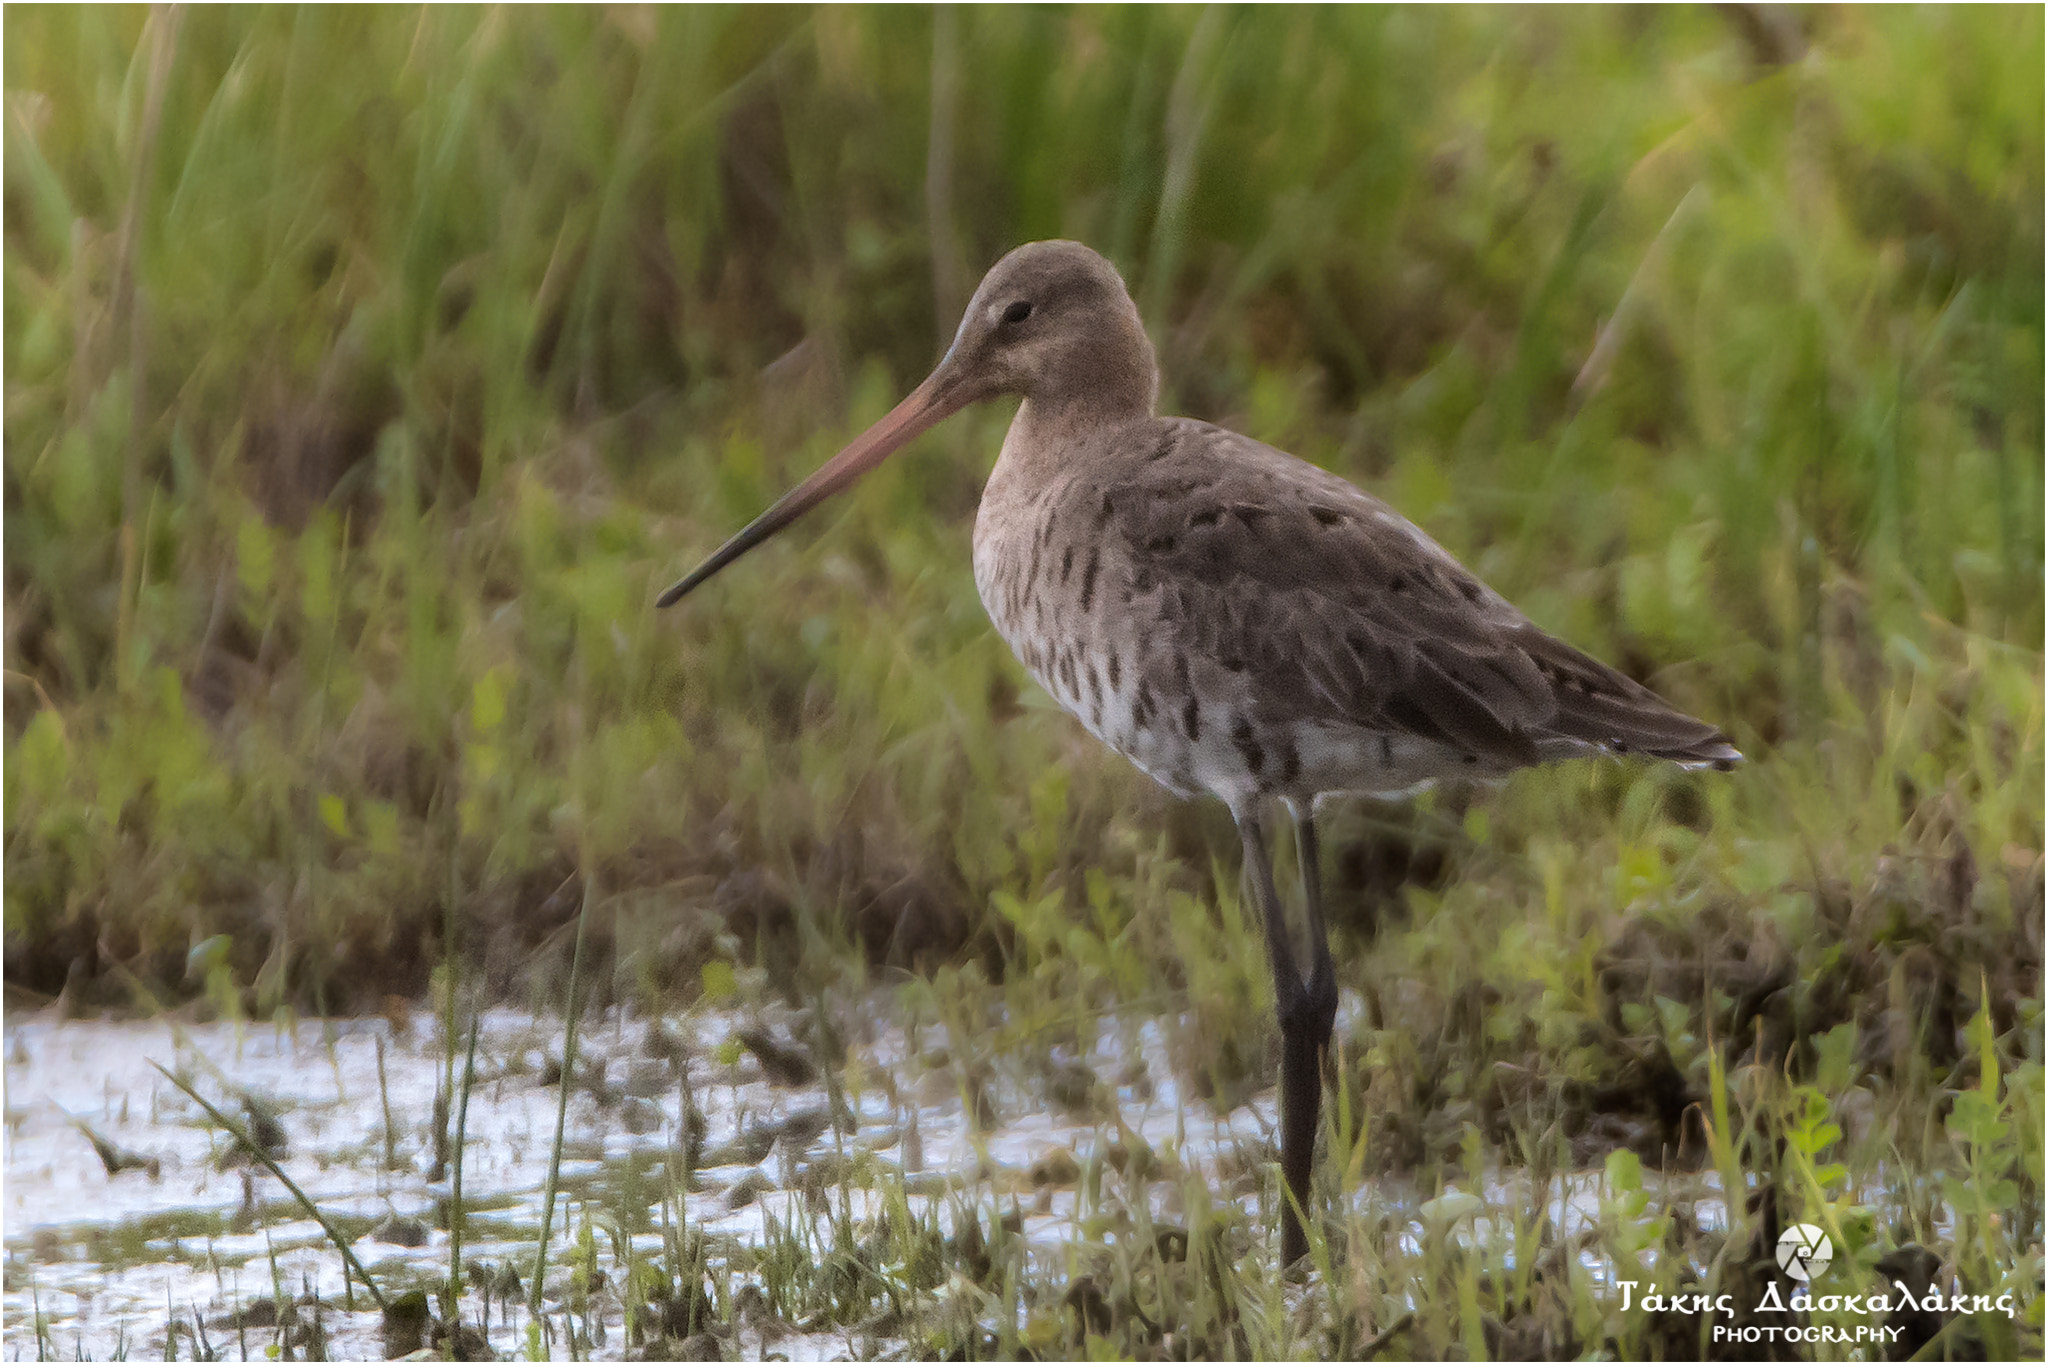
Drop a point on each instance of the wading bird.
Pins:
(1229, 618)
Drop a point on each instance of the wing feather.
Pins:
(1347, 613)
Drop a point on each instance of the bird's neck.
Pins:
(1110, 378)
(1050, 422)
(1049, 441)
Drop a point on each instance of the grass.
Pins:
(352, 425)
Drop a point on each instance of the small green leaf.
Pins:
(334, 814)
(1835, 1057)
(1673, 1015)
(487, 700)
(718, 981)
(209, 954)
(1975, 1119)
(1985, 1037)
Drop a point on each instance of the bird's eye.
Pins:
(1017, 311)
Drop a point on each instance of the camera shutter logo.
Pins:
(1804, 1251)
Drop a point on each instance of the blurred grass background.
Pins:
(356, 411)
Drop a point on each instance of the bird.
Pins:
(1235, 621)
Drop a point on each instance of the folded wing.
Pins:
(1341, 611)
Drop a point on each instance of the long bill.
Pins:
(932, 402)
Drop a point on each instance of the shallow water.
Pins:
(110, 1262)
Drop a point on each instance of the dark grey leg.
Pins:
(1322, 972)
(1304, 1029)
(1279, 952)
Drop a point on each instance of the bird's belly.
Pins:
(1212, 747)
(1075, 674)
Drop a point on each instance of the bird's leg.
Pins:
(1322, 973)
(1304, 1029)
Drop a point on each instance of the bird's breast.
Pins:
(1098, 635)
(1093, 636)
(1062, 604)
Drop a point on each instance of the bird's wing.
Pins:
(1346, 612)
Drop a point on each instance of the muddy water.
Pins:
(190, 1250)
